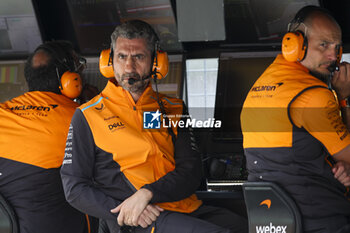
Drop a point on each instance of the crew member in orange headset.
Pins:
(293, 133)
(33, 132)
(128, 175)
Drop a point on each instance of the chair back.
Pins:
(8, 219)
(270, 209)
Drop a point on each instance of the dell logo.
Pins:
(115, 125)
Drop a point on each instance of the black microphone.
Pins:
(332, 68)
(131, 81)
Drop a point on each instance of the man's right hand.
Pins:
(132, 207)
(136, 210)
(341, 172)
(341, 81)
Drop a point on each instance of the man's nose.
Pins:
(129, 64)
(333, 54)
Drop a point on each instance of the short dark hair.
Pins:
(45, 77)
(136, 29)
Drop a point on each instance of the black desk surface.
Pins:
(219, 194)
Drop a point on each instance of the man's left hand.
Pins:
(341, 172)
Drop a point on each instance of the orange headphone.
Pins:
(70, 83)
(294, 47)
(294, 43)
(160, 65)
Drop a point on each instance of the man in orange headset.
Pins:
(125, 174)
(33, 131)
(293, 132)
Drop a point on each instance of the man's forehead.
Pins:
(325, 29)
(331, 36)
(136, 44)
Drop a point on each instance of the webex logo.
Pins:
(271, 229)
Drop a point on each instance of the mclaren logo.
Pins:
(266, 202)
(266, 87)
(270, 228)
(32, 107)
(100, 108)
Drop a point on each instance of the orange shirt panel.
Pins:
(34, 128)
(317, 111)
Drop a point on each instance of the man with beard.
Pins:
(129, 176)
(33, 132)
(293, 133)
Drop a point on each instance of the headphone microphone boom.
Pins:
(131, 81)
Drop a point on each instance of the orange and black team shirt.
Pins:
(112, 155)
(291, 125)
(33, 131)
(34, 128)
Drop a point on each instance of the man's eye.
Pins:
(139, 57)
(324, 45)
(121, 56)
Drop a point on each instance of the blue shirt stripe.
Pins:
(91, 105)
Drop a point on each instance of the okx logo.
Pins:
(151, 120)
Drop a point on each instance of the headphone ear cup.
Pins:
(71, 84)
(106, 65)
(161, 64)
(294, 46)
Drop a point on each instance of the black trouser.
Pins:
(334, 224)
(206, 219)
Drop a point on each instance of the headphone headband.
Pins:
(304, 13)
(130, 30)
(61, 52)
(294, 43)
(160, 65)
(70, 83)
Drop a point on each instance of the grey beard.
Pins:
(322, 77)
(138, 86)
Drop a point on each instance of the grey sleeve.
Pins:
(77, 172)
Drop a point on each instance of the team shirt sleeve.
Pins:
(77, 172)
(317, 111)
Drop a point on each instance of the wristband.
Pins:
(344, 103)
